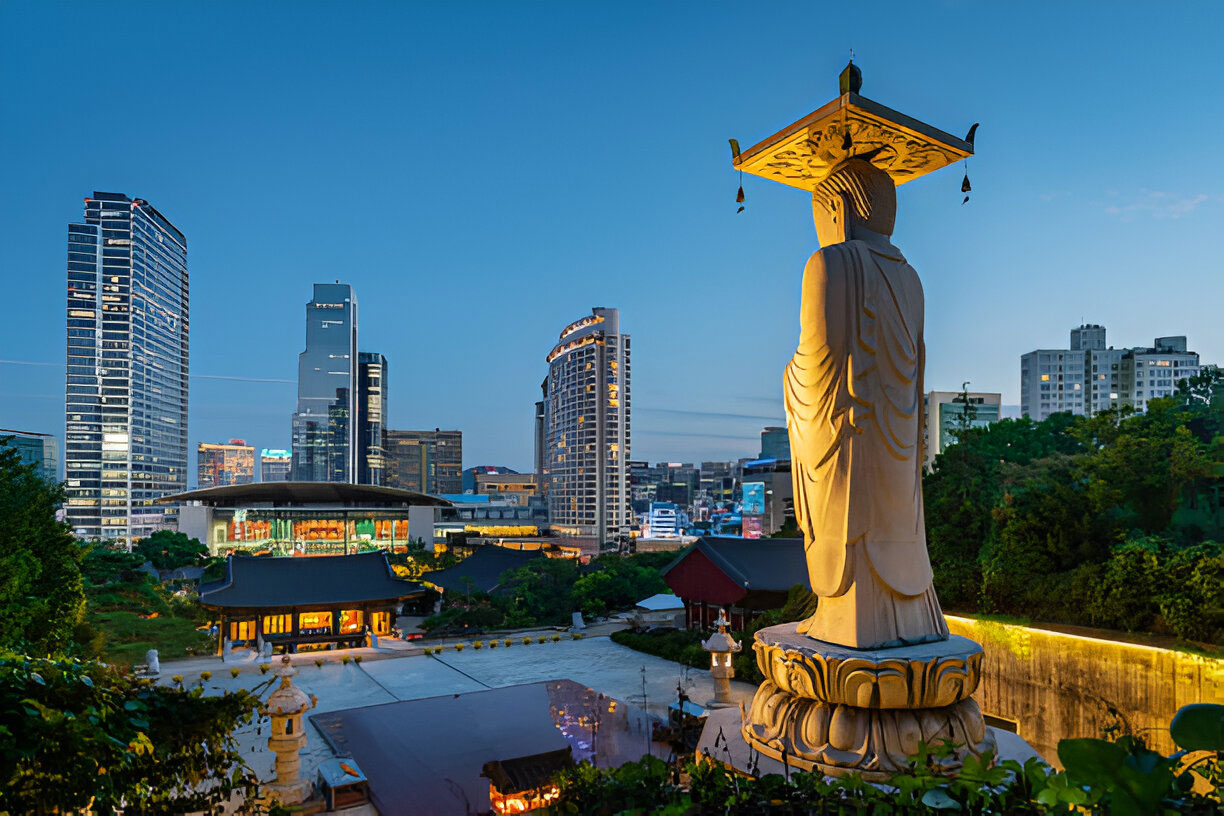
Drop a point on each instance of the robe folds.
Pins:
(854, 415)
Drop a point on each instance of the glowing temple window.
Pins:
(350, 621)
(315, 621)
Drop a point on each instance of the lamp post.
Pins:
(721, 647)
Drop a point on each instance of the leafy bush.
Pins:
(1122, 778)
(84, 736)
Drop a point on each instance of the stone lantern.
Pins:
(286, 706)
(721, 647)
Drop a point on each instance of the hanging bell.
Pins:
(965, 186)
(739, 197)
(966, 201)
(847, 142)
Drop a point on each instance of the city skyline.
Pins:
(640, 217)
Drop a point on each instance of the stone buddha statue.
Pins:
(861, 685)
(853, 403)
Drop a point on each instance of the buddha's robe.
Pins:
(853, 406)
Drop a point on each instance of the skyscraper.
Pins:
(274, 465)
(775, 443)
(425, 461)
(371, 417)
(323, 432)
(538, 426)
(231, 463)
(587, 429)
(125, 403)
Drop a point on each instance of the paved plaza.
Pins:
(387, 675)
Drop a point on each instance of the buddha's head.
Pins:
(856, 195)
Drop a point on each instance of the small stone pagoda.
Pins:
(721, 648)
(285, 706)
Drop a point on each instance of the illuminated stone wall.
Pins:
(1058, 685)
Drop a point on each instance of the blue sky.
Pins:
(484, 174)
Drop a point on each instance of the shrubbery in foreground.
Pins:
(1119, 778)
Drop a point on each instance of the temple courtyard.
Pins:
(393, 673)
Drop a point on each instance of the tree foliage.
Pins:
(169, 549)
(41, 595)
(1122, 778)
(1103, 520)
(77, 735)
(547, 591)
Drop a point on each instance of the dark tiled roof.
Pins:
(482, 569)
(290, 493)
(281, 582)
(529, 772)
(775, 564)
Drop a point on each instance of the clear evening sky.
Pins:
(483, 174)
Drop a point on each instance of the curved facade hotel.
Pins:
(586, 430)
(125, 403)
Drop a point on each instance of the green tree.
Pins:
(41, 595)
(169, 549)
(82, 736)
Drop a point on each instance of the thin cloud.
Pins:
(1160, 204)
(706, 414)
(647, 432)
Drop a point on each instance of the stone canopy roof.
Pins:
(311, 581)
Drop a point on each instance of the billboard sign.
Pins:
(754, 499)
(752, 527)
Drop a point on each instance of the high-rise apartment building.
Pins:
(371, 417)
(323, 426)
(425, 461)
(125, 403)
(587, 435)
(230, 463)
(37, 449)
(274, 465)
(1089, 377)
(946, 412)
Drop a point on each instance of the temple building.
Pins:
(306, 602)
(746, 577)
(307, 518)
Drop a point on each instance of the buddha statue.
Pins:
(853, 393)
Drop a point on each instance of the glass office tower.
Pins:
(125, 401)
(371, 417)
(323, 426)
